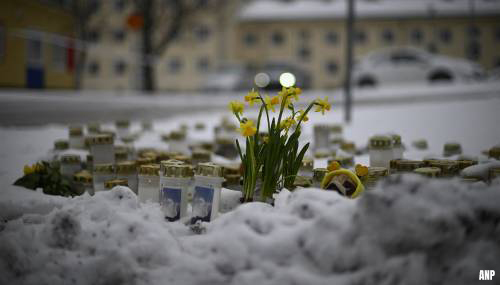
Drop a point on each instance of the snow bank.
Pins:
(407, 231)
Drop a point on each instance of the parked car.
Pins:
(228, 77)
(408, 64)
(275, 69)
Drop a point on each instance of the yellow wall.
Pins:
(16, 15)
(321, 52)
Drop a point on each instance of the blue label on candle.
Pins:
(202, 204)
(170, 201)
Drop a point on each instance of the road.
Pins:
(25, 108)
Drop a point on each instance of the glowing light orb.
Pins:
(262, 80)
(287, 79)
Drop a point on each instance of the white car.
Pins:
(226, 78)
(408, 64)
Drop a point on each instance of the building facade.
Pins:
(36, 45)
(309, 34)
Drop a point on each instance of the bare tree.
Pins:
(163, 21)
(82, 11)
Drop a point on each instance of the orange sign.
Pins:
(135, 21)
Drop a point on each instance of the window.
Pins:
(445, 35)
(417, 36)
(497, 34)
(250, 39)
(331, 37)
(304, 35)
(202, 33)
(304, 53)
(94, 68)
(119, 35)
(203, 64)
(58, 57)
(277, 38)
(332, 67)
(2, 41)
(174, 65)
(387, 36)
(473, 50)
(473, 32)
(360, 37)
(120, 67)
(93, 36)
(34, 51)
(119, 5)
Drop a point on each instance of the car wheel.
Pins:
(367, 81)
(441, 76)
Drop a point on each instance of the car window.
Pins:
(405, 57)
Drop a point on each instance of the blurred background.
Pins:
(180, 47)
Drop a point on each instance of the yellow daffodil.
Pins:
(270, 102)
(236, 107)
(334, 165)
(252, 97)
(35, 168)
(361, 170)
(28, 170)
(247, 129)
(295, 92)
(322, 105)
(302, 116)
(287, 123)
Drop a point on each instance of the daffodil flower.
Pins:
(287, 123)
(270, 102)
(236, 107)
(252, 97)
(334, 165)
(322, 105)
(28, 170)
(295, 92)
(302, 116)
(361, 170)
(247, 129)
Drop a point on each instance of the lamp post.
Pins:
(349, 61)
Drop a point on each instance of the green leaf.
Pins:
(30, 181)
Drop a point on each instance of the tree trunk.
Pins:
(147, 47)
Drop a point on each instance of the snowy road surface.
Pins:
(39, 108)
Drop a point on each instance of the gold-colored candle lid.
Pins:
(104, 168)
(336, 129)
(149, 169)
(144, 160)
(232, 179)
(209, 169)
(199, 126)
(126, 167)
(75, 131)
(464, 163)
(319, 174)
(83, 177)
(183, 158)
(177, 135)
(396, 140)
(428, 171)
(178, 170)
(494, 152)
(452, 148)
(101, 139)
(420, 144)
(448, 167)
(93, 128)
(307, 163)
(122, 123)
(115, 182)
(380, 142)
(70, 158)
(405, 165)
(200, 154)
(377, 171)
(344, 161)
(348, 146)
(61, 144)
(494, 173)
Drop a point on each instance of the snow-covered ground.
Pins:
(407, 231)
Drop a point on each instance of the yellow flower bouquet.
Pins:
(276, 159)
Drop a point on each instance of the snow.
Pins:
(271, 10)
(408, 231)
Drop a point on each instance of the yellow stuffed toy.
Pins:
(344, 181)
